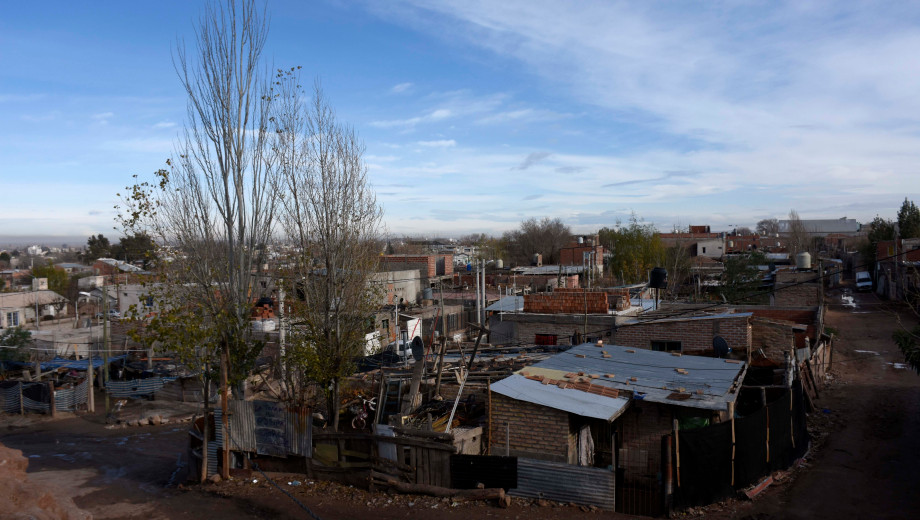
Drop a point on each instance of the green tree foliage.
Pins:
(135, 247)
(909, 220)
(5, 257)
(907, 341)
(14, 344)
(635, 248)
(879, 230)
(741, 280)
(546, 237)
(58, 279)
(97, 246)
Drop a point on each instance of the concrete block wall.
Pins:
(694, 334)
(534, 431)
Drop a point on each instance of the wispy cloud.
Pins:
(102, 116)
(400, 88)
(164, 124)
(531, 159)
(434, 115)
(443, 143)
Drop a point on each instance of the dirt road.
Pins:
(869, 466)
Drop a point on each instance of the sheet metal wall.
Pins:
(136, 387)
(297, 428)
(565, 483)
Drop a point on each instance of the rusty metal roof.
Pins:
(687, 381)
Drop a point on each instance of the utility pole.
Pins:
(105, 343)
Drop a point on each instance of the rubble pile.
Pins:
(23, 498)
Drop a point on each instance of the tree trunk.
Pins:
(203, 476)
(224, 407)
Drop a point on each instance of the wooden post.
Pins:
(668, 475)
(791, 418)
(22, 405)
(437, 386)
(731, 412)
(677, 451)
(768, 423)
(53, 410)
(90, 396)
(489, 410)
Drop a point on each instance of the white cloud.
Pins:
(164, 124)
(443, 143)
(400, 88)
(803, 100)
(103, 116)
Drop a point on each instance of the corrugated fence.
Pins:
(23, 396)
(565, 483)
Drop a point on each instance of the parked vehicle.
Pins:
(863, 281)
(114, 315)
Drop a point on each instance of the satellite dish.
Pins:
(720, 346)
(418, 348)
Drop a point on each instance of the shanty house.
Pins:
(610, 408)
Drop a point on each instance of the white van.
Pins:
(863, 281)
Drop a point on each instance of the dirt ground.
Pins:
(864, 463)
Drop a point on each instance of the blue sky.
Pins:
(477, 115)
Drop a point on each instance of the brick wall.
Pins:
(566, 302)
(773, 337)
(695, 335)
(427, 264)
(797, 289)
(641, 428)
(574, 255)
(562, 325)
(535, 431)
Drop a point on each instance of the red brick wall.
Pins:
(575, 255)
(535, 431)
(427, 264)
(564, 301)
(694, 334)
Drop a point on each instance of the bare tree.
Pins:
(546, 236)
(216, 204)
(799, 239)
(768, 227)
(330, 215)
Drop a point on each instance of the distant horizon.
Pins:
(7, 241)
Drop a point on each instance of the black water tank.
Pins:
(658, 279)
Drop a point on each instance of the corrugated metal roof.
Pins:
(688, 318)
(507, 304)
(549, 269)
(568, 400)
(655, 372)
(565, 483)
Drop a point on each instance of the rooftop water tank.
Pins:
(803, 261)
(499, 264)
(658, 278)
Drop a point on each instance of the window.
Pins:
(666, 346)
(12, 319)
(385, 325)
(704, 250)
(545, 339)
